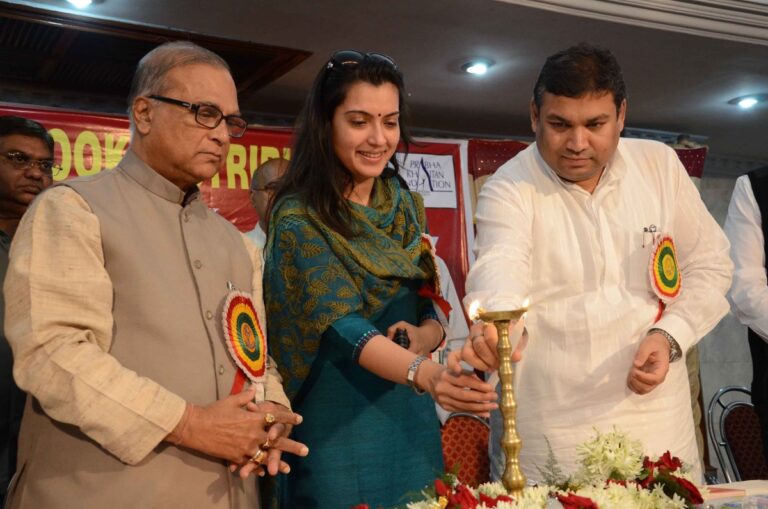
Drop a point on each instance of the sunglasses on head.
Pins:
(351, 58)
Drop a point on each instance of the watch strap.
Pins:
(411, 375)
(675, 352)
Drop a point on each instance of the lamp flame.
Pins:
(474, 310)
(526, 303)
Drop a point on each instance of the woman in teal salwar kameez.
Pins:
(345, 265)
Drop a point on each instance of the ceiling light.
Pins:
(746, 102)
(477, 67)
(80, 4)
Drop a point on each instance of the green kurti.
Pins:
(370, 440)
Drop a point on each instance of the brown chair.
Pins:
(735, 435)
(465, 447)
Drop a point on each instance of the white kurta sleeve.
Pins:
(743, 226)
(500, 277)
(706, 268)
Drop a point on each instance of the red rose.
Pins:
(491, 502)
(360, 506)
(646, 483)
(647, 463)
(462, 498)
(671, 463)
(694, 496)
(646, 477)
(440, 488)
(573, 501)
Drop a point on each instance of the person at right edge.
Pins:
(746, 230)
(345, 263)
(624, 267)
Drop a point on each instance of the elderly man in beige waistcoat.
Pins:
(114, 301)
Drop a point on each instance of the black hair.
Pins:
(10, 125)
(580, 70)
(315, 174)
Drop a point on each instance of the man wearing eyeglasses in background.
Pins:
(118, 284)
(26, 165)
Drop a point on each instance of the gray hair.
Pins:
(153, 67)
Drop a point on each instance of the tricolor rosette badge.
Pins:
(664, 271)
(245, 340)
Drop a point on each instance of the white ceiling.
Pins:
(676, 82)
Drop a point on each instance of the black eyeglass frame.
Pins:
(353, 58)
(22, 160)
(195, 108)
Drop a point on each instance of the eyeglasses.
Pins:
(209, 116)
(352, 58)
(23, 161)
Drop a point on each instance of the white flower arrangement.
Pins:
(613, 474)
(612, 455)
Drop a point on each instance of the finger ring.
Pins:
(256, 458)
(266, 445)
(473, 338)
(269, 418)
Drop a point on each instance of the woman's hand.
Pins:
(460, 391)
(457, 392)
(424, 338)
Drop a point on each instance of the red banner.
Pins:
(87, 143)
(693, 159)
(485, 156)
(228, 192)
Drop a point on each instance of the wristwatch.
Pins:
(411, 376)
(675, 352)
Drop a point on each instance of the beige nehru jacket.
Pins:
(114, 296)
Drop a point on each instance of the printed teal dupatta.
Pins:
(314, 278)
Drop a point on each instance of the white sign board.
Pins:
(432, 176)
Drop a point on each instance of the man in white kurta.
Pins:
(563, 223)
(748, 295)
